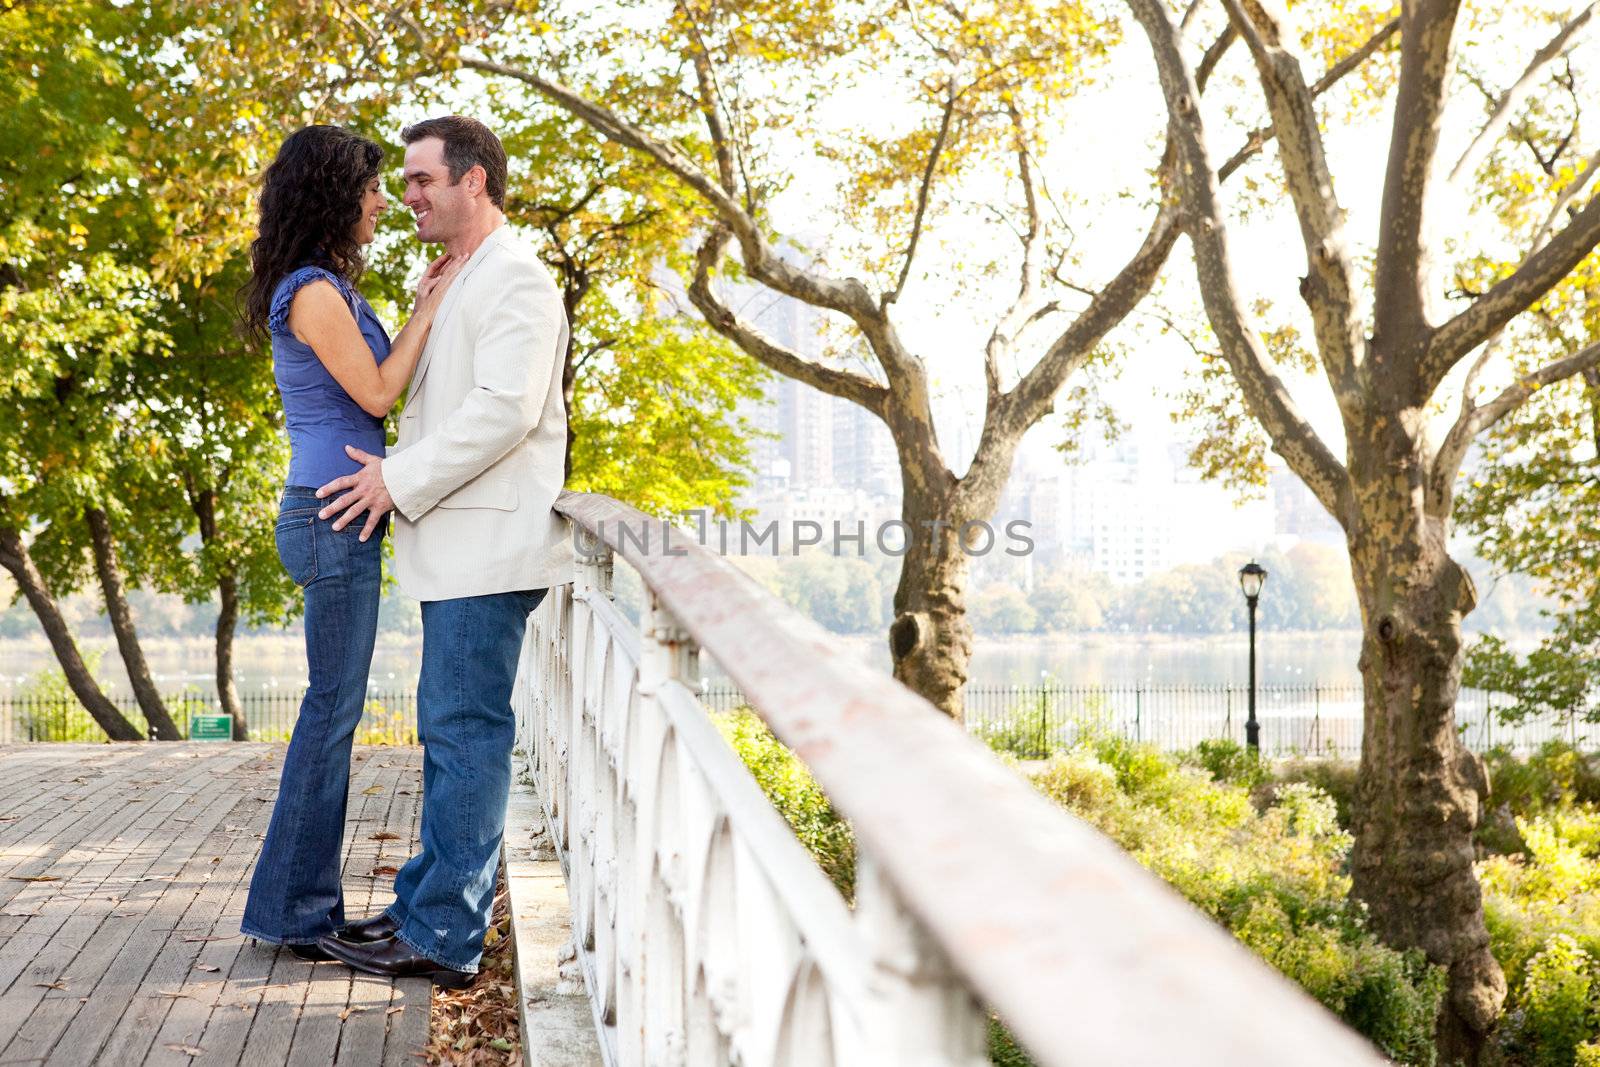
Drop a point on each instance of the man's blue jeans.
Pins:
(444, 894)
(295, 892)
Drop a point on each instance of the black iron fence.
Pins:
(1032, 721)
(389, 718)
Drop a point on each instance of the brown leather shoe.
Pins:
(380, 927)
(394, 958)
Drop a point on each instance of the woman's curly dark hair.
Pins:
(310, 204)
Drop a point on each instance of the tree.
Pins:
(725, 86)
(1419, 789)
(73, 314)
(1531, 502)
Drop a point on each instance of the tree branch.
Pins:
(1329, 289)
(1426, 54)
(785, 361)
(1512, 98)
(1508, 298)
(1004, 334)
(1258, 138)
(1474, 420)
(848, 296)
(923, 192)
(1035, 393)
(1264, 393)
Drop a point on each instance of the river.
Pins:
(272, 662)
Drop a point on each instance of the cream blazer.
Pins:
(483, 435)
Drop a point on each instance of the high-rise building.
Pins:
(863, 451)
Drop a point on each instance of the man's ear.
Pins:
(477, 179)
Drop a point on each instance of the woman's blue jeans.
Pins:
(296, 894)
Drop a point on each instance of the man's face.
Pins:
(442, 208)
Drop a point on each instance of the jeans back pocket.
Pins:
(295, 535)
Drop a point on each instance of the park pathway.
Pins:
(123, 871)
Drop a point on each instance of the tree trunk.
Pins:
(111, 585)
(227, 620)
(15, 558)
(204, 504)
(931, 638)
(1419, 789)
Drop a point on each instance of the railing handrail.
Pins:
(1049, 922)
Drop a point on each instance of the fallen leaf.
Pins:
(396, 1010)
(187, 1050)
(384, 835)
(170, 993)
(347, 1012)
(33, 878)
(206, 967)
(217, 937)
(385, 871)
(372, 790)
(57, 984)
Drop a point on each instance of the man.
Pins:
(473, 478)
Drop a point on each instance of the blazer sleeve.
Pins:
(513, 360)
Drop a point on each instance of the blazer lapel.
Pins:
(451, 299)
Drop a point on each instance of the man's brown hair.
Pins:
(468, 143)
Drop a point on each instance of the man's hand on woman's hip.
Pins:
(367, 493)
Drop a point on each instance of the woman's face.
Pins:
(373, 204)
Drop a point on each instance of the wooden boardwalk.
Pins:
(123, 871)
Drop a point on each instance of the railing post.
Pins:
(922, 1012)
(655, 886)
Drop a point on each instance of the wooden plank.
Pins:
(362, 1039)
(152, 879)
(407, 1034)
(136, 1030)
(328, 1012)
(102, 862)
(87, 957)
(164, 893)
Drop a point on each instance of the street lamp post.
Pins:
(1252, 576)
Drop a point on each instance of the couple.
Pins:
(472, 479)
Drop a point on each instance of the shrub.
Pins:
(1026, 731)
(1226, 760)
(1275, 878)
(1556, 1006)
(797, 796)
(1336, 778)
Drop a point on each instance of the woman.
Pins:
(339, 375)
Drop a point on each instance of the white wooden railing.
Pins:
(708, 936)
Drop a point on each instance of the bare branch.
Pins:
(1510, 100)
(1021, 311)
(785, 361)
(1329, 289)
(923, 192)
(1426, 54)
(1473, 421)
(1264, 393)
(1213, 55)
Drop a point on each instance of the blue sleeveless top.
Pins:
(321, 417)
